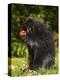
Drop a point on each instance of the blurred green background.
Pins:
(19, 51)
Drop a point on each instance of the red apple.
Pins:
(22, 33)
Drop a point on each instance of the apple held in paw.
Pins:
(22, 33)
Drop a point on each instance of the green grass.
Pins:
(17, 66)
